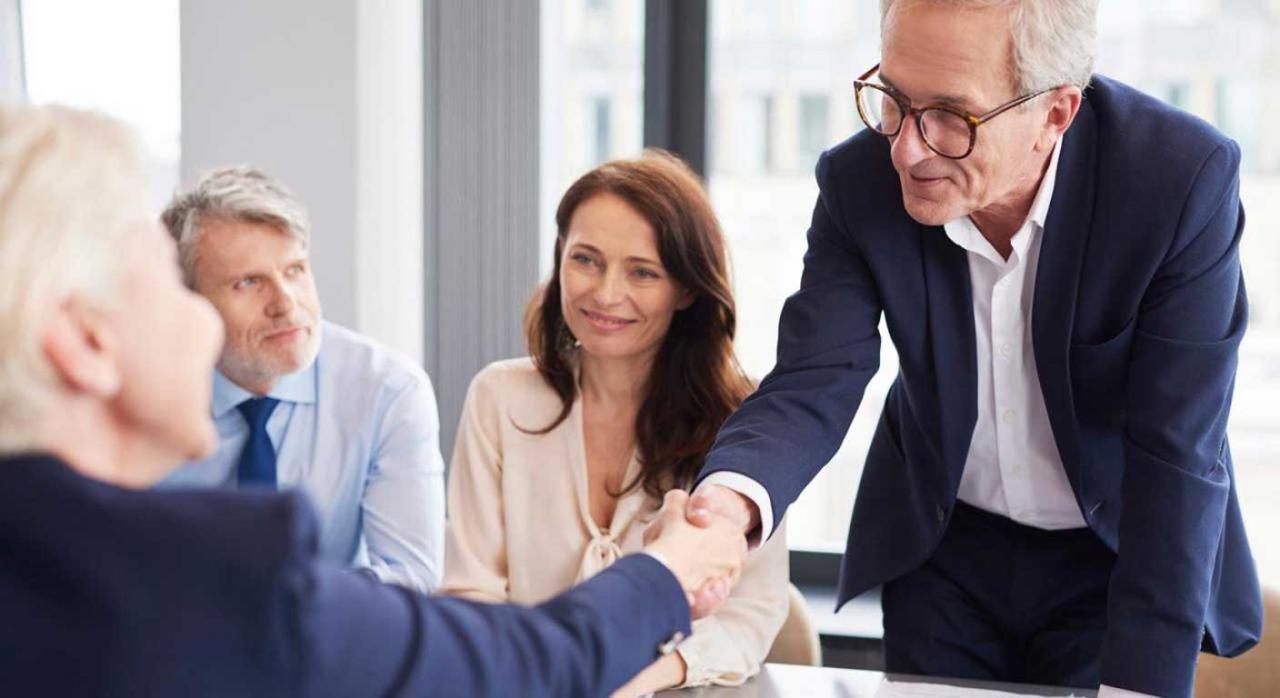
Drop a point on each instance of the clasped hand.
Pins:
(702, 539)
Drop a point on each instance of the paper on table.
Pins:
(909, 689)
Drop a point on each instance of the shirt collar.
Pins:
(298, 387)
(1040, 206)
(964, 233)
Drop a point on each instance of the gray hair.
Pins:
(237, 193)
(72, 196)
(1054, 41)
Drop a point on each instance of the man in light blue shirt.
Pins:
(303, 403)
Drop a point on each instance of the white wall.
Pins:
(11, 83)
(328, 96)
(389, 173)
(324, 95)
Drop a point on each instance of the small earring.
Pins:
(565, 339)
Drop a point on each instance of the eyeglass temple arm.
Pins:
(979, 120)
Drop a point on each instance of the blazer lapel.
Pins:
(1058, 278)
(952, 343)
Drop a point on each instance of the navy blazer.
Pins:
(113, 592)
(1139, 308)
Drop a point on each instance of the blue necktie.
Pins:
(258, 459)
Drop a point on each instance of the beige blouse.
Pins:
(520, 529)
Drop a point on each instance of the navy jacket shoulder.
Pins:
(113, 592)
(180, 591)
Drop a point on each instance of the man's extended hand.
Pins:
(706, 553)
(722, 501)
(711, 503)
(719, 502)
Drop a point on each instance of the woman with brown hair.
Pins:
(562, 458)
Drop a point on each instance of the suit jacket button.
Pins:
(942, 514)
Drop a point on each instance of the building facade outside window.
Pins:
(592, 95)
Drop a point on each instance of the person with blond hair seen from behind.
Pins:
(304, 403)
(563, 458)
(108, 588)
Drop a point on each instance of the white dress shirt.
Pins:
(1013, 467)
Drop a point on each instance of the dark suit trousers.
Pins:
(1002, 601)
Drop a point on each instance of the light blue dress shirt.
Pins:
(358, 431)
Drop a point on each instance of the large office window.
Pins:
(592, 93)
(119, 58)
(750, 147)
(601, 128)
(780, 77)
(813, 131)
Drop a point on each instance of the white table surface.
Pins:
(787, 681)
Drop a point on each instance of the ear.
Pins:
(1064, 104)
(83, 349)
(686, 299)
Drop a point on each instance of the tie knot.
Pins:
(257, 410)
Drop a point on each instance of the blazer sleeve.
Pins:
(476, 542)
(792, 425)
(1175, 484)
(728, 647)
(359, 637)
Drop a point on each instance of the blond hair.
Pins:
(70, 184)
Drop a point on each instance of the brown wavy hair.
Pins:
(696, 381)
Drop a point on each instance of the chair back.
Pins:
(1254, 674)
(797, 641)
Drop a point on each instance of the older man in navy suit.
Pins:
(108, 590)
(1049, 495)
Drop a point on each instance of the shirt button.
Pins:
(942, 514)
(1008, 416)
(1006, 349)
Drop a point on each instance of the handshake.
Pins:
(702, 540)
